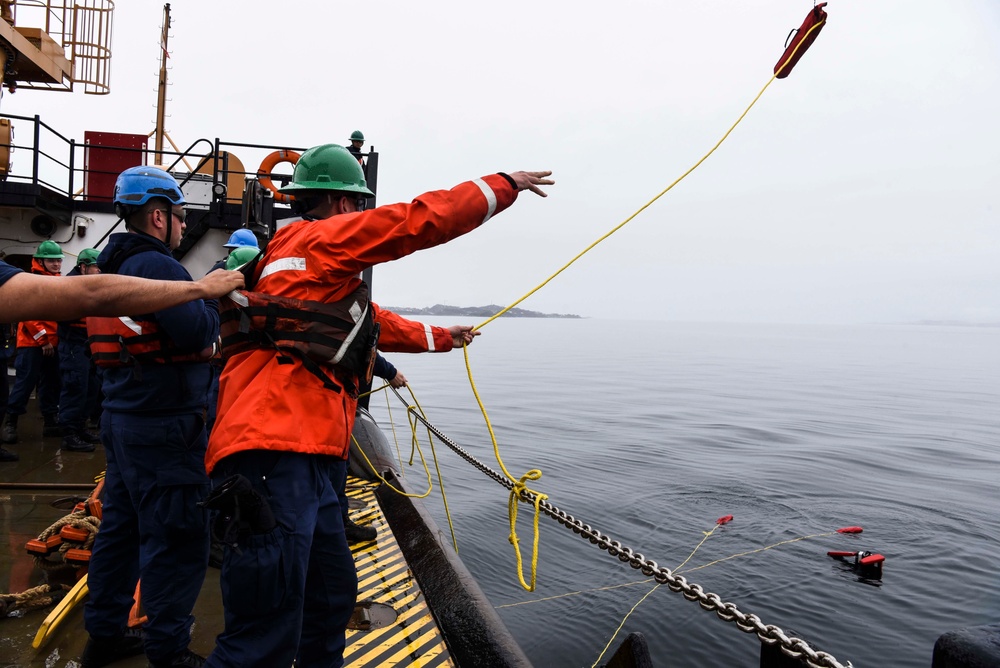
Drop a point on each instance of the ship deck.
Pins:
(392, 624)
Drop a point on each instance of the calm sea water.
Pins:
(651, 431)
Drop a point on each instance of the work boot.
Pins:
(50, 426)
(9, 429)
(359, 534)
(104, 651)
(88, 436)
(74, 443)
(186, 659)
(8, 456)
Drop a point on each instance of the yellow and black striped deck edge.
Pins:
(385, 578)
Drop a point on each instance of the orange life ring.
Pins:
(270, 162)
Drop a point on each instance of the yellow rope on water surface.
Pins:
(697, 547)
(676, 572)
(679, 569)
(760, 549)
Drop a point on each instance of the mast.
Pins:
(161, 97)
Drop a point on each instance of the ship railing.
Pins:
(85, 171)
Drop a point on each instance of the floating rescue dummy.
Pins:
(867, 563)
(804, 37)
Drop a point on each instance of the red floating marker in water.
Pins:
(804, 37)
(850, 530)
(725, 519)
(835, 553)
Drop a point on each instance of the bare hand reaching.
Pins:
(531, 181)
(220, 282)
(398, 381)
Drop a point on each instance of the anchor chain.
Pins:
(768, 634)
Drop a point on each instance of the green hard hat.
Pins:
(49, 250)
(357, 136)
(240, 256)
(328, 167)
(88, 256)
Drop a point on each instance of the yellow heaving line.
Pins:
(409, 636)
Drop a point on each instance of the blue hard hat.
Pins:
(241, 238)
(137, 185)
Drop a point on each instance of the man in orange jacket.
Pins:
(284, 422)
(37, 361)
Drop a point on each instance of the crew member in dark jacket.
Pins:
(154, 435)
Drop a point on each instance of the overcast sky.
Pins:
(862, 188)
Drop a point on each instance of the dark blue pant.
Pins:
(5, 353)
(152, 528)
(339, 482)
(78, 394)
(33, 368)
(213, 396)
(288, 594)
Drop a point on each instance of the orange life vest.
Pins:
(127, 342)
(342, 333)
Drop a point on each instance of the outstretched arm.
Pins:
(30, 297)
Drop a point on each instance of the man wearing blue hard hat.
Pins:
(240, 238)
(156, 375)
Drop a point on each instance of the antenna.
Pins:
(161, 96)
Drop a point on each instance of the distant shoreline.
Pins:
(477, 311)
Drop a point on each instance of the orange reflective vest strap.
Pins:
(401, 335)
(342, 334)
(127, 342)
(37, 333)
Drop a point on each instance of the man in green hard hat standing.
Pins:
(357, 141)
(37, 363)
(285, 419)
